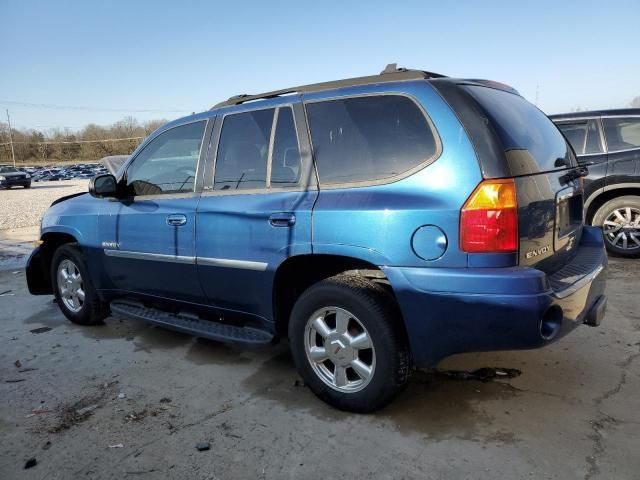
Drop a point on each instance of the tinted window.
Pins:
(241, 162)
(5, 169)
(583, 136)
(167, 164)
(532, 142)
(622, 133)
(368, 138)
(285, 162)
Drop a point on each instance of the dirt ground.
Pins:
(128, 400)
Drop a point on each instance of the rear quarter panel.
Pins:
(376, 223)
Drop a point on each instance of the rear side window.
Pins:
(532, 142)
(584, 136)
(285, 160)
(241, 162)
(622, 133)
(365, 139)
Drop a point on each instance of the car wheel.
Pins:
(347, 343)
(73, 287)
(620, 222)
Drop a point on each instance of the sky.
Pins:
(165, 59)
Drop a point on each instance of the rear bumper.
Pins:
(448, 311)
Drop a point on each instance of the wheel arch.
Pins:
(299, 272)
(39, 264)
(596, 201)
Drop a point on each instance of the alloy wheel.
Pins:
(339, 349)
(621, 228)
(70, 285)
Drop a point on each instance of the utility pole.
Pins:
(13, 155)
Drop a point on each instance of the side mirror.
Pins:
(103, 186)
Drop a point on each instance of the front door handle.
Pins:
(283, 219)
(176, 220)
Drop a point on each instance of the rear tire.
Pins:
(73, 288)
(348, 345)
(620, 222)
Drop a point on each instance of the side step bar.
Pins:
(195, 326)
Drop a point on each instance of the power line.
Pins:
(93, 109)
(74, 141)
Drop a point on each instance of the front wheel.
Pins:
(620, 222)
(73, 287)
(348, 345)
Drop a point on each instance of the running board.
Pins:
(195, 326)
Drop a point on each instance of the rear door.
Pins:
(256, 208)
(550, 198)
(623, 145)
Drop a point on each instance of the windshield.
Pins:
(6, 169)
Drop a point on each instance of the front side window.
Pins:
(622, 133)
(372, 138)
(584, 136)
(167, 164)
(243, 150)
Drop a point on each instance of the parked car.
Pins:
(380, 223)
(608, 143)
(12, 177)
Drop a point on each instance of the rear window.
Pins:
(367, 139)
(532, 142)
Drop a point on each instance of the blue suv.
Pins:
(381, 223)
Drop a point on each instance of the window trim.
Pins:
(383, 181)
(605, 135)
(306, 159)
(586, 120)
(199, 163)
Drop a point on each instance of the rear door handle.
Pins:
(176, 220)
(283, 219)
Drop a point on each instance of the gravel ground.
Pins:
(128, 400)
(20, 207)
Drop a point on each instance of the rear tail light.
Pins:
(489, 218)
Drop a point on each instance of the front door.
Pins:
(148, 234)
(257, 212)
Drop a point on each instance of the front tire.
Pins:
(348, 345)
(74, 289)
(620, 222)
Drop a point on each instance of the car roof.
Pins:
(596, 113)
(390, 74)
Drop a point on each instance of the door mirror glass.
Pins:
(103, 186)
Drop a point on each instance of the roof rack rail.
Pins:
(391, 73)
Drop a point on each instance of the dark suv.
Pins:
(607, 142)
(380, 223)
(12, 177)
